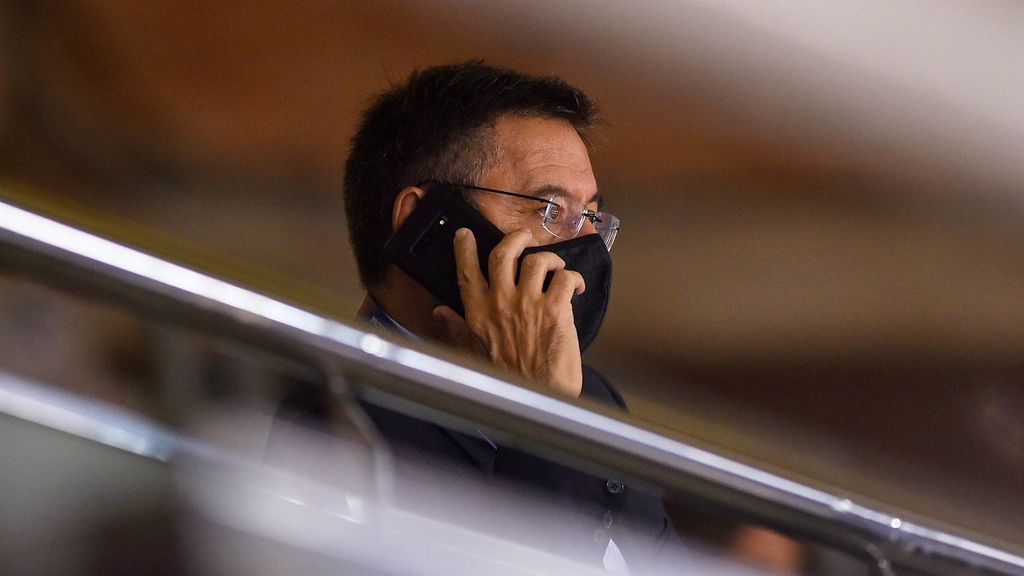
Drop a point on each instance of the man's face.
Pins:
(538, 157)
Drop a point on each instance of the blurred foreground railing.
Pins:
(430, 381)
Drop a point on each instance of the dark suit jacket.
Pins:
(579, 512)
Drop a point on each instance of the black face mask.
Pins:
(588, 256)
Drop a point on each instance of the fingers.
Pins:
(535, 269)
(502, 264)
(504, 259)
(517, 327)
(566, 283)
(472, 284)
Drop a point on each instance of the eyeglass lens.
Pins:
(564, 219)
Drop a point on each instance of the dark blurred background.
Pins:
(822, 257)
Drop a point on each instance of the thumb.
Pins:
(452, 327)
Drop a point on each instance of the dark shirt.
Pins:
(591, 510)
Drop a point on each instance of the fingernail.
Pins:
(461, 232)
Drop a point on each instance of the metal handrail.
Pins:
(439, 381)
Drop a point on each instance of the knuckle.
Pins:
(498, 254)
(530, 262)
(542, 257)
(552, 304)
(554, 308)
(552, 257)
(543, 260)
(502, 312)
(475, 323)
(569, 276)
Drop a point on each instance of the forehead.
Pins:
(536, 152)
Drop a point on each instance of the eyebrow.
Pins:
(554, 189)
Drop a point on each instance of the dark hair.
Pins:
(439, 126)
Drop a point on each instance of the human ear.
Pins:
(405, 203)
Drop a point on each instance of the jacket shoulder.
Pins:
(597, 387)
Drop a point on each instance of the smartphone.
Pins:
(424, 245)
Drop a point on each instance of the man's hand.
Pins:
(519, 327)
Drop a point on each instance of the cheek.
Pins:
(507, 219)
(541, 237)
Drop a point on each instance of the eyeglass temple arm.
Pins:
(503, 192)
(592, 216)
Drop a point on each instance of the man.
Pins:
(493, 129)
(515, 147)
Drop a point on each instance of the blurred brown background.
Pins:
(822, 256)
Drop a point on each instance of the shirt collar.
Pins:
(371, 312)
(483, 454)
